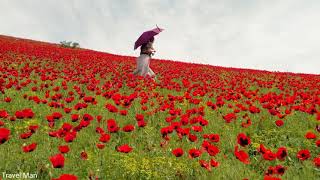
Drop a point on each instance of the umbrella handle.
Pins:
(158, 27)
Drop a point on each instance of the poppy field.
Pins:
(81, 114)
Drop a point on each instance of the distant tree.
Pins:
(69, 44)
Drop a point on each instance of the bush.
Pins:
(69, 44)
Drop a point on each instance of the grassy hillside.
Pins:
(82, 113)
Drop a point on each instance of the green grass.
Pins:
(149, 160)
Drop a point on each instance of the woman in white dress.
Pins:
(143, 61)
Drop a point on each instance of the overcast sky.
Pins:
(278, 35)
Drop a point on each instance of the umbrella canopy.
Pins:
(146, 36)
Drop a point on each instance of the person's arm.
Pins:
(150, 49)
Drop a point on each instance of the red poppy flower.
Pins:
(111, 108)
(12, 118)
(4, 135)
(269, 155)
(50, 118)
(84, 123)
(262, 149)
(196, 128)
(89, 99)
(243, 140)
(84, 155)
(214, 137)
(254, 109)
(282, 153)
(67, 110)
(64, 149)
(144, 108)
(29, 148)
(53, 134)
(19, 114)
(70, 136)
(100, 145)
(74, 117)
(280, 170)
(66, 127)
(128, 128)
(316, 161)
(123, 112)
(194, 153)
(141, 123)
(310, 135)
(266, 177)
(99, 130)
(57, 161)
(205, 164)
(56, 115)
(205, 144)
(287, 111)
(79, 106)
(214, 163)
(25, 135)
(184, 119)
(192, 137)
(27, 113)
(212, 150)
(124, 148)
(303, 154)
(139, 117)
(229, 117)
(67, 177)
(203, 122)
(51, 124)
(99, 118)
(166, 130)
(279, 123)
(169, 119)
(176, 125)
(104, 138)
(3, 114)
(246, 124)
(112, 126)
(33, 128)
(87, 117)
(270, 171)
(241, 155)
(177, 152)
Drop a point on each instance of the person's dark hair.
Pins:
(143, 46)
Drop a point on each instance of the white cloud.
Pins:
(273, 35)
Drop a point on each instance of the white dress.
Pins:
(143, 66)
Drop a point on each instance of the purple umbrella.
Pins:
(146, 36)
